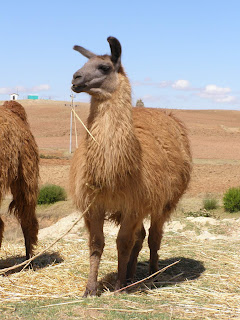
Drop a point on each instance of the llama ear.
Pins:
(116, 51)
(86, 53)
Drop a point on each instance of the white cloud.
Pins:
(181, 85)
(41, 87)
(19, 89)
(212, 89)
(165, 84)
(226, 99)
(5, 90)
(217, 94)
(211, 92)
(150, 98)
(138, 83)
(148, 79)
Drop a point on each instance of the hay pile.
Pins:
(205, 284)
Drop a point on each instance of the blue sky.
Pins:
(177, 54)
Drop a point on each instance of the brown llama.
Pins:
(138, 166)
(19, 170)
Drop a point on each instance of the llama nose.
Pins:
(77, 79)
(77, 75)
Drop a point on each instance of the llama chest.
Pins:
(111, 161)
(108, 170)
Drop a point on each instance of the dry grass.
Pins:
(205, 284)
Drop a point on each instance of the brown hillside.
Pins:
(214, 134)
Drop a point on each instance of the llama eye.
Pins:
(104, 68)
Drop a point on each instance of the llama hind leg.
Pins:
(154, 241)
(125, 244)
(131, 268)
(23, 206)
(1, 231)
(96, 245)
(30, 230)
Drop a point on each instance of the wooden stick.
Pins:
(149, 277)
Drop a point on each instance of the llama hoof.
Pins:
(153, 269)
(89, 293)
(30, 266)
(118, 287)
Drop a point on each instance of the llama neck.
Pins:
(110, 122)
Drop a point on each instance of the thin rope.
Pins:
(84, 126)
(75, 127)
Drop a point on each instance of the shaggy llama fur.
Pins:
(139, 167)
(19, 170)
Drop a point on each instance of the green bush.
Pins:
(231, 200)
(210, 203)
(200, 213)
(51, 193)
(140, 103)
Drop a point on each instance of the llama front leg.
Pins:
(125, 243)
(96, 245)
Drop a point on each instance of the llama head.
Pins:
(99, 75)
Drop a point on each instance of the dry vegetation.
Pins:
(204, 284)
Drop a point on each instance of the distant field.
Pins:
(214, 136)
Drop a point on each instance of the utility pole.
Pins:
(70, 143)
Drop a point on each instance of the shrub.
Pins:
(140, 103)
(210, 203)
(231, 200)
(51, 193)
(200, 213)
(44, 156)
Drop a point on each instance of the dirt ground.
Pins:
(214, 135)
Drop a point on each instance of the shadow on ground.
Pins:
(41, 262)
(184, 270)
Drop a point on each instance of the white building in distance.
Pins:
(14, 96)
